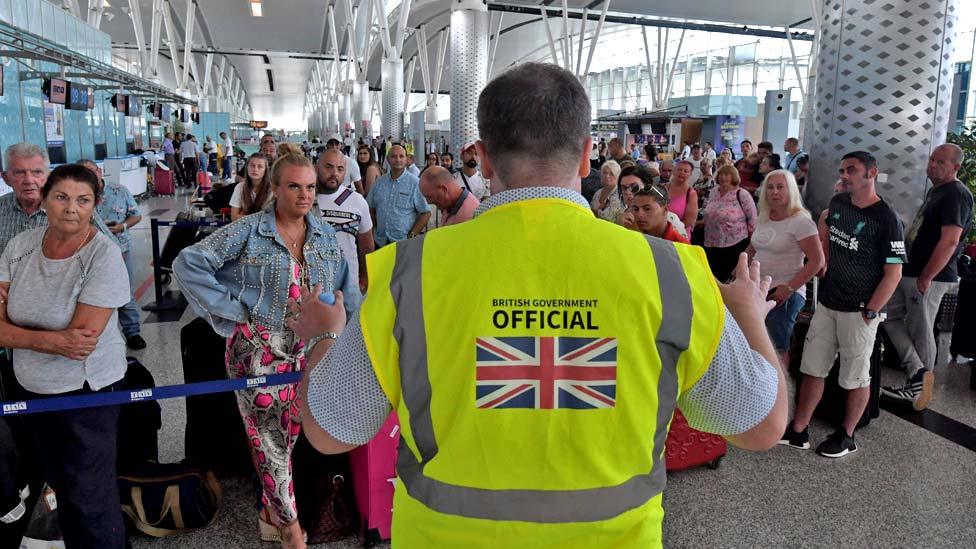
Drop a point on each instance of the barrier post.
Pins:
(163, 301)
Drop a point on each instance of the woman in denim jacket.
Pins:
(240, 279)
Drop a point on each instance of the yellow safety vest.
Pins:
(534, 356)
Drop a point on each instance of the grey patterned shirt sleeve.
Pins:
(737, 391)
(344, 395)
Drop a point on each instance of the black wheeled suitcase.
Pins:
(139, 422)
(215, 437)
(28, 466)
(834, 400)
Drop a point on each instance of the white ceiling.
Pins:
(291, 29)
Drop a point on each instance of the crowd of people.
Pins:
(305, 218)
(858, 249)
(184, 155)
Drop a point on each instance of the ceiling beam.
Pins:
(664, 23)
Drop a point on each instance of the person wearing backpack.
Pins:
(730, 219)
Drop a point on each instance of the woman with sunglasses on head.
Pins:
(241, 279)
(254, 193)
(634, 179)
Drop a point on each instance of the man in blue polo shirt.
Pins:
(398, 208)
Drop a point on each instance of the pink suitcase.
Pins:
(373, 469)
(163, 181)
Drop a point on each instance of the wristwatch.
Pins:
(312, 342)
(869, 314)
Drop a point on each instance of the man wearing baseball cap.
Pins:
(469, 176)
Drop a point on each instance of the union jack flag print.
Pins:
(546, 372)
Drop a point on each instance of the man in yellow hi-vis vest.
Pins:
(535, 354)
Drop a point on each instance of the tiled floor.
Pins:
(906, 487)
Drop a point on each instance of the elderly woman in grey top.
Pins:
(60, 288)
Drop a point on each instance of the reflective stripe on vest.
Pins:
(540, 506)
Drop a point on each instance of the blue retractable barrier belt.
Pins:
(74, 402)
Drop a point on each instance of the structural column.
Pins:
(360, 108)
(391, 123)
(345, 108)
(884, 83)
(469, 68)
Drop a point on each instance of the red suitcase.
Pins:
(373, 469)
(203, 181)
(163, 181)
(686, 447)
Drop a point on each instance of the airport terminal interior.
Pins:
(832, 141)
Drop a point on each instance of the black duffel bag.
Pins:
(164, 499)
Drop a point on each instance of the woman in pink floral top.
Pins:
(730, 219)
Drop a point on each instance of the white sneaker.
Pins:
(17, 512)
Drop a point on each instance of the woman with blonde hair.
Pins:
(787, 246)
(607, 203)
(240, 280)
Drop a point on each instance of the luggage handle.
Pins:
(171, 499)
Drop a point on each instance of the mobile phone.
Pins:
(769, 295)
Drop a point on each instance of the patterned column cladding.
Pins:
(391, 123)
(360, 108)
(469, 71)
(331, 119)
(345, 111)
(884, 85)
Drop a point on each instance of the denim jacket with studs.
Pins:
(240, 272)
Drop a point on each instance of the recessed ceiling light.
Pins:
(256, 8)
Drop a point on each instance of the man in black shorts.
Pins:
(865, 250)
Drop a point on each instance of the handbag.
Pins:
(323, 491)
(165, 499)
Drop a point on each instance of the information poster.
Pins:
(54, 124)
(129, 128)
(729, 132)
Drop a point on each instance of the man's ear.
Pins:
(487, 169)
(584, 165)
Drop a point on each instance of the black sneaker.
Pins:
(800, 441)
(918, 390)
(837, 445)
(135, 342)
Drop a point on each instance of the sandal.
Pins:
(269, 532)
(287, 536)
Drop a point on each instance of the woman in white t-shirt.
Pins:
(787, 246)
(61, 285)
(257, 183)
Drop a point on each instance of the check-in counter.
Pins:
(126, 171)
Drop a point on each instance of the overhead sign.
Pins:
(78, 97)
(57, 91)
(259, 124)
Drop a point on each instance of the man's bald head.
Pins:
(397, 158)
(944, 163)
(439, 187)
(955, 152)
(332, 154)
